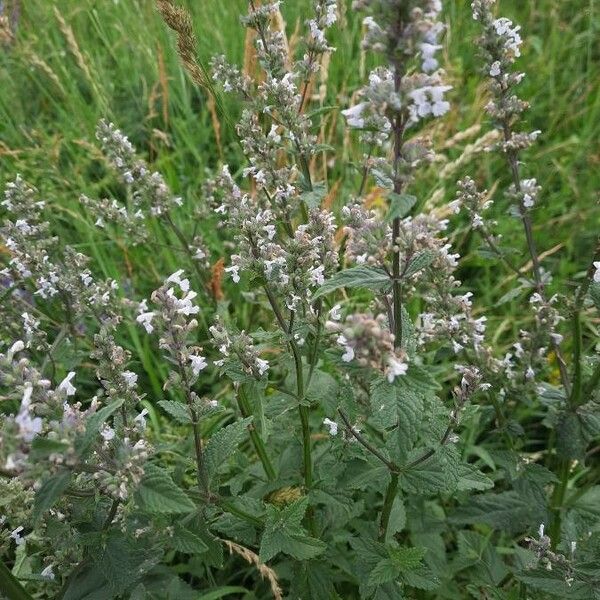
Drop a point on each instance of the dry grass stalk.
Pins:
(180, 21)
(253, 559)
(6, 34)
(42, 65)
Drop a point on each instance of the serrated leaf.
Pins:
(187, 542)
(400, 206)
(284, 533)
(50, 491)
(355, 277)
(570, 441)
(407, 558)
(177, 410)
(158, 493)
(383, 572)
(507, 510)
(471, 478)
(419, 262)
(439, 473)
(323, 390)
(223, 444)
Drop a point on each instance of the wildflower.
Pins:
(107, 433)
(48, 573)
(66, 386)
(17, 537)
(332, 426)
(28, 427)
(145, 319)
(130, 378)
(335, 313)
(140, 419)
(235, 273)
(597, 271)
(198, 363)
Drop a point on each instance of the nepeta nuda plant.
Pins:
(357, 435)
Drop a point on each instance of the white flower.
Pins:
(316, 275)
(184, 284)
(16, 347)
(495, 69)
(130, 378)
(198, 363)
(541, 530)
(354, 115)
(66, 386)
(213, 403)
(428, 56)
(235, 273)
(141, 419)
(335, 313)
(270, 231)
(28, 427)
(396, 367)
(107, 433)
(597, 272)
(331, 425)
(145, 319)
(348, 350)
(47, 573)
(16, 535)
(263, 366)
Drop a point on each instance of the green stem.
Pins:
(575, 397)
(257, 441)
(10, 586)
(238, 512)
(558, 499)
(390, 496)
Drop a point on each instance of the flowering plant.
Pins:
(355, 436)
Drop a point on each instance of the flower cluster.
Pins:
(237, 351)
(367, 340)
(36, 255)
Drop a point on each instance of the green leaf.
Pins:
(439, 473)
(471, 478)
(323, 390)
(284, 533)
(400, 206)
(570, 441)
(10, 586)
(223, 444)
(50, 491)
(187, 542)
(314, 197)
(177, 410)
(42, 447)
(507, 510)
(355, 277)
(407, 558)
(554, 583)
(383, 572)
(93, 425)
(420, 261)
(594, 293)
(397, 521)
(158, 493)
